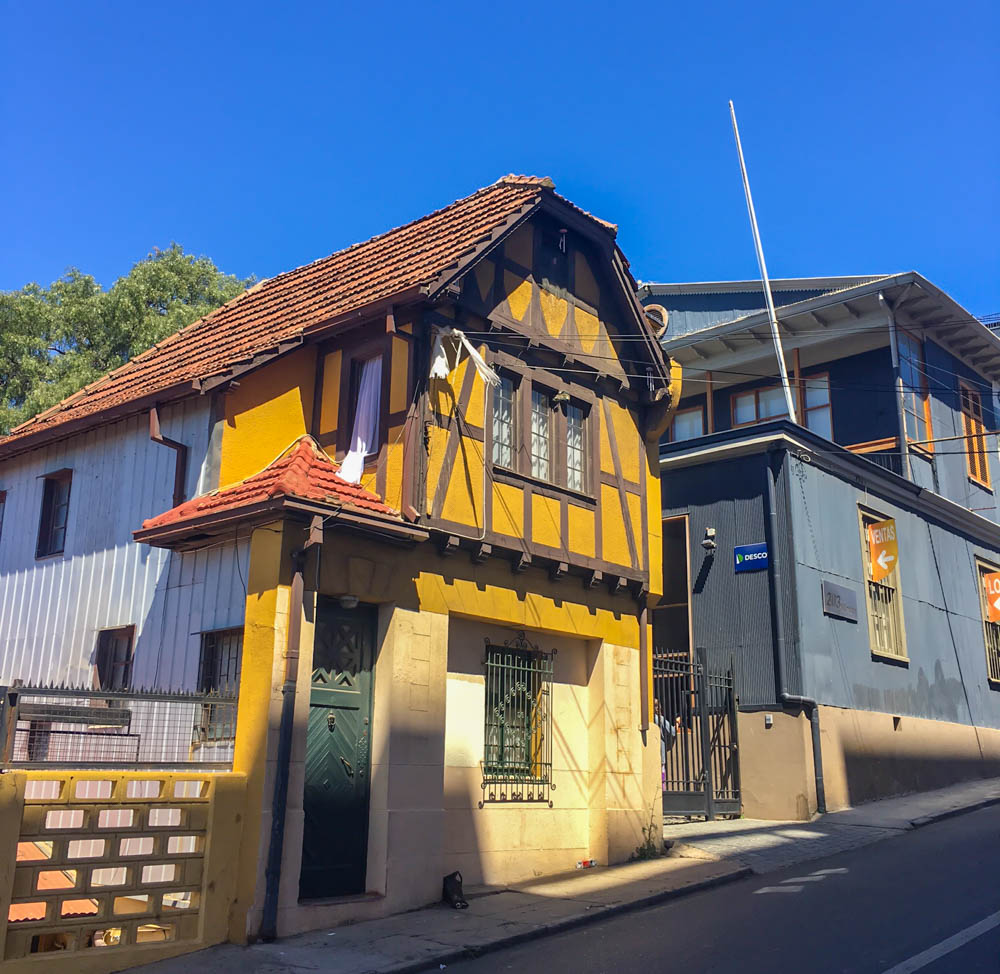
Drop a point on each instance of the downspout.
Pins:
(180, 450)
(786, 699)
(279, 801)
(897, 383)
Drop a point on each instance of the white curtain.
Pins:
(364, 436)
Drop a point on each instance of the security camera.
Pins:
(708, 542)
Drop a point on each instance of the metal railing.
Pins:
(79, 727)
(886, 634)
(993, 651)
(517, 758)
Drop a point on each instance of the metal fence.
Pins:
(517, 759)
(695, 710)
(60, 726)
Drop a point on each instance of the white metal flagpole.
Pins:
(775, 334)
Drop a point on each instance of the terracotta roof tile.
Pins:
(302, 472)
(280, 309)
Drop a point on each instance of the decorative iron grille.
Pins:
(517, 759)
(61, 726)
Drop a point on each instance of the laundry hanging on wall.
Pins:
(447, 353)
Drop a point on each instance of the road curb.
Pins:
(456, 954)
(919, 823)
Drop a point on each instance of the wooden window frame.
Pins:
(681, 412)
(515, 424)
(991, 630)
(127, 664)
(210, 638)
(924, 393)
(801, 383)
(551, 476)
(44, 545)
(562, 439)
(353, 357)
(806, 410)
(966, 392)
(892, 582)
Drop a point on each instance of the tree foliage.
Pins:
(58, 339)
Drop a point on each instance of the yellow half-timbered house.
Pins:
(441, 448)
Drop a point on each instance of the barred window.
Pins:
(113, 659)
(518, 738)
(989, 603)
(576, 453)
(503, 422)
(541, 434)
(885, 606)
(219, 672)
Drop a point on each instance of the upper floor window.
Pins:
(113, 660)
(687, 424)
(916, 403)
(554, 258)
(576, 453)
(365, 402)
(503, 422)
(974, 431)
(541, 435)
(55, 513)
(762, 405)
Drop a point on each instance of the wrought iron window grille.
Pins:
(517, 758)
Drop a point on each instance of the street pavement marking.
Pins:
(778, 889)
(934, 953)
(829, 872)
(805, 879)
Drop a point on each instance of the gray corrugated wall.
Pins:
(783, 548)
(730, 613)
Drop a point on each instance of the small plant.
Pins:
(651, 846)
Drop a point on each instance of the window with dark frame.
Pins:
(687, 424)
(974, 431)
(767, 403)
(916, 401)
(554, 258)
(219, 672)
(3, 505)
(539, 449)
(55, 513)
(113, 659)
(518, 732)
(504, 423)
(576, 448)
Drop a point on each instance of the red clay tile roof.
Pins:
(302, 472)
(280, 309)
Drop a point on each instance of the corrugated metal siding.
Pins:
(945, 678)
(692, 312)
(731, 613)
(51, 609)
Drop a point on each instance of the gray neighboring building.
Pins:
(849, 684)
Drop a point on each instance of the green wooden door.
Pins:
(338, 752)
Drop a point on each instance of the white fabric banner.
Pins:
(455, 340)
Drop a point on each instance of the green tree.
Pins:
(56, 340)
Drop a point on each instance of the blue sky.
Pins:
(267, 135)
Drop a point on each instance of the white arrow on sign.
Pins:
(996, 605)
(885, 558)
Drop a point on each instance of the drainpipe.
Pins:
(786, 699)
(180, 451)
(279, 801)
(897, 382)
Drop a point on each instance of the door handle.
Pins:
(331, 721)
(347, 766)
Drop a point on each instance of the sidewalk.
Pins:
(702, 855)
(765, 846)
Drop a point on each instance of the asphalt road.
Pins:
(868, 911)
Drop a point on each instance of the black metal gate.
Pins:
(695, 709)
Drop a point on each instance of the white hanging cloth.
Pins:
(364, 436)
(456, 341)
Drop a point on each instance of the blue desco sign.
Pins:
(750, 557)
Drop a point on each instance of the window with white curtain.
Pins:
(541, 435)
(364, 433)
(503, 422)
(576, 453)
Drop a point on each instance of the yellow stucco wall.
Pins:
(265, 414)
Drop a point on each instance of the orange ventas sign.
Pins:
(883, 548)
(992, 584)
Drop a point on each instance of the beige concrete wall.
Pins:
(869, 755)
(776, 766)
